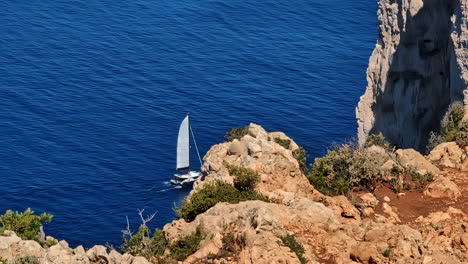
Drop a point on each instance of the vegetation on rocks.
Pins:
(407, 179)
(285, 143)
(186, 246)
(291, 242)
(301, 156)
(237, 133)
(244, 179)
(451, 121)
(210, 195)
(141, 244)
(26, 225)
(452, 128)
(462, 136)
(154, 249)
(378, 140)
(25, 260)
(342, 169)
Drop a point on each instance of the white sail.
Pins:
(183, 145)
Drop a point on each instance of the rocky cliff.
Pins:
(418, 67)
(299, 224)
(382, 227)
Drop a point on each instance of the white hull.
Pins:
(185, 179)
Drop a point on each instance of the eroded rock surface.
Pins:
(419, 66)
(12, 247)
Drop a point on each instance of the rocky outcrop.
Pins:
(450, 155)
(331, 229)
(280, 174)
(12, 247)
(419, 66)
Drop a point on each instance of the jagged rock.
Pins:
(448, 154)
(260, 224)
(418, 67)
(237, 148)
(98, 253)
(369, 200)
(278, 169)
(393, 216)
(293, 146)
(115, 257)
(442, 187)
(343, 207)
(413, 160)
(140, 260)
(378, 155)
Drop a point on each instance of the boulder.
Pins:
(448, 154)
(368, 200)
(413, 160)
(237, 148)
(442, 187)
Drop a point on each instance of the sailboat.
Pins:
(185, 176)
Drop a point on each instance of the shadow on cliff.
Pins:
(418, 88)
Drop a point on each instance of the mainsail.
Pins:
(183, 145)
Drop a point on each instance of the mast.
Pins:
(196, 147)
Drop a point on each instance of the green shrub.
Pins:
(26, 225)
(244, 179)
(387, 252)
(25, 260)
(451, 121)
(341, 170)
(141, 244)
(232, 245)
(285, 143)
(401, 179)
(291, 242)
(186, 246)
(301, 156)
(211, 194)
(51, 242)
(462, 136)
(237, 133)
(378, 140)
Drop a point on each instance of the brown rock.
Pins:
(411, 159)
(442, 187)
(369, 200)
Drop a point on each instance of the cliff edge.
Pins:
(417, 69)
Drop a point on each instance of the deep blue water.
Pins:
(92, 94)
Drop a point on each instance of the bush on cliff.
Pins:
(237, 133)
(301, 156)
(291, 242)
(244, 179)
(285, 143)
(186, 246)
(25, 260)
(26, 225)
(450, 124)
(210, 195)
(154, 249)
(378, 140)
(342, 169)
(141, 244)
(462, 136)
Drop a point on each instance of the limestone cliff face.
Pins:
(419, 66)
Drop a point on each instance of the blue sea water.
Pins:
(92, 94)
